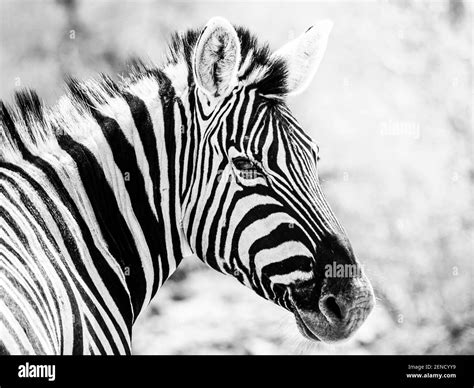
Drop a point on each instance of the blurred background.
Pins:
(390, 107)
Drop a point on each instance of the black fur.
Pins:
(29, 106)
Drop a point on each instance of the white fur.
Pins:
(178, 75)
(303, 55)
(208, 66)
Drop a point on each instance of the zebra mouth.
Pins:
(336, 316)
(303, 328)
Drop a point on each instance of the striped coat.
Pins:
(104, 194)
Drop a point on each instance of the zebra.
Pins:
(105, 193)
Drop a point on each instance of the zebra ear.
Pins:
(304, 54)
(217, 58)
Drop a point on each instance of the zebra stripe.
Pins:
(103, 195)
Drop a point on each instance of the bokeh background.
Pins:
(390, 107)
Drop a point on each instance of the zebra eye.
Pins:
(246, 169)
(243, 164)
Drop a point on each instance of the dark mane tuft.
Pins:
(274, 81)
(89, 93)
(8, 132)
(30, 107)
(182, 45)
(136, 66)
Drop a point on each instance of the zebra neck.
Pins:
(131, 172)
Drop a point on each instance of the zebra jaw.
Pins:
(303, 328)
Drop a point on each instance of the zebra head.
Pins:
(252, 203)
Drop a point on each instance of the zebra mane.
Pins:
(257, 67)
(28, 123)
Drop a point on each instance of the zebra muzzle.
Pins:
(329, 316)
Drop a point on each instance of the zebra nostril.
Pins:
(331, 309)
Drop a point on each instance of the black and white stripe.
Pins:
(103, 195)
